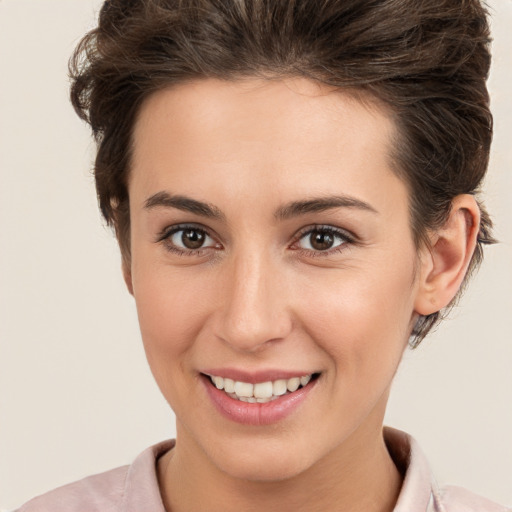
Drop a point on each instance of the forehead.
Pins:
(292, 132)
(261, 109)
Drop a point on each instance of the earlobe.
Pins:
(445, 262)
(127, 275)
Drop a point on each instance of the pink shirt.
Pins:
(134, 488)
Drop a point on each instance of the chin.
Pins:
(261, 460)
(270, 468)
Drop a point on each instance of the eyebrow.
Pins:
(287, 211)
(321, 204)
(187, 204)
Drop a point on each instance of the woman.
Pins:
(293, 188)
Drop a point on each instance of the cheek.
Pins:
(172, 305)
(361, 317)
(172, 308)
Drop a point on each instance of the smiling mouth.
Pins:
(261, 392)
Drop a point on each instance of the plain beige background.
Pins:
(76, 395)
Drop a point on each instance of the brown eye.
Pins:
(189, 239)
(322, 239)
(192, 238)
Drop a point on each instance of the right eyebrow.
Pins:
(166, 200)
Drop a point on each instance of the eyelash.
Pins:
(166, 234)
(347, 239)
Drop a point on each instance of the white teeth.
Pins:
(293, 384)
(279, 387)
(261, 392)
(243, 389)
(219, 382)
(303, 381)
(229, 385)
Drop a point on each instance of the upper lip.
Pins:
(253, 377)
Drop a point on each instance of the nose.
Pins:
(254, 307)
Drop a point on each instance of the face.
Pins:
(270, 241)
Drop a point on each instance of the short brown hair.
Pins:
(427, 60)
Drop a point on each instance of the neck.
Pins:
(358, 476)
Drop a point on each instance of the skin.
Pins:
(259, 296)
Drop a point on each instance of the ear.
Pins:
(127, 275)
(445, 262)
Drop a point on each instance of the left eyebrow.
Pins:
(321, 204)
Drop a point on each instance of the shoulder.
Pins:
(457, 499)
(132, 487)
(101, 492)
(420, 492)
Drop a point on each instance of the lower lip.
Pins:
(256, 414)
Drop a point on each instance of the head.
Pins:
(393, 102)
(426, 61)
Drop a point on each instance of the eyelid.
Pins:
(325, 227)
(348, 237)
(170, 230)
(165, 234)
